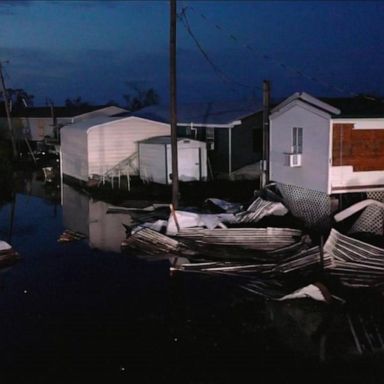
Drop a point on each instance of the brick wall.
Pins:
(361, 148)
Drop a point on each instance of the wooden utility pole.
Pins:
(173, 108)
(266, 108)
(6, 105)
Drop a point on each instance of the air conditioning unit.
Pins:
(294, 160)
(210, 145)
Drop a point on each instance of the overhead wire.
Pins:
(264, 56)
(219, 72)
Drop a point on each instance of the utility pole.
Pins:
(173, 106)
(266, 108)
(6, 105)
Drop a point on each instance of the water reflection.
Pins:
(89, 217)
(70, 308)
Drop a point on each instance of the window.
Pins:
(210, 138)
(210, 134)
(297, 140)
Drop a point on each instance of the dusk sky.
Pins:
(93, 49)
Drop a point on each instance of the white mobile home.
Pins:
(98, 145)
(155, 160)
(320, 148)
(330, 148)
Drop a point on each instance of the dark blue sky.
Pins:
(60, 49)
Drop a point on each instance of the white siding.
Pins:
(95, 146)
(110, 143)
(192, 161)
(344, 178)
(313, 174)
(74, 157)
(152, 163)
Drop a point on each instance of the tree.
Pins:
(18, 99)
(141, 98)
(76, 103)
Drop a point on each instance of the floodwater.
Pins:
(83, 311)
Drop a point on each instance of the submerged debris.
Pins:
(8, 255)
(68, 235)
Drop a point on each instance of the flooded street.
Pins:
(84, 310)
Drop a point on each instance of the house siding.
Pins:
(313, 173)
(111, 143)
(357, 156)
(101, 147)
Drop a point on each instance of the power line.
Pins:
(220, 73)
(264, 56)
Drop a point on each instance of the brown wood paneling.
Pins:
(363, 149)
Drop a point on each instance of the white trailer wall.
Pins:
(313, 173)
(110, 143)
(156, 160)
(153, 162)
(74, 151)
(96, 145)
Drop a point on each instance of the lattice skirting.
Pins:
(376, 195)
(312, 207)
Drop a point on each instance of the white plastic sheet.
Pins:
(190, 220)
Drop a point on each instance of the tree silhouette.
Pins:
(76, 103)
(18, 99)
(140, 98)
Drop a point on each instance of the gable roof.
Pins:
(213, 114)
(309, 100)
(339, 107)
(87, 124)
(62, 111)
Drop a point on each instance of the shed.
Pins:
(102, 145)
(231, 130)
(155, 160)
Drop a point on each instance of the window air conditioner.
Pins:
(211, 145)
(294, 160)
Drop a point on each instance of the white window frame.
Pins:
(297, 140)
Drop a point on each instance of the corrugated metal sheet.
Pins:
(259, 209)
(355, 263)
(262, 239)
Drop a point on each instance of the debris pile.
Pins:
(355, 263)
(233, 243)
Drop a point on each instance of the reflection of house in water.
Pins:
(34, 184)
(82, 214)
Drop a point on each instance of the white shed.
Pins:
(99, 145)
(155, 160)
